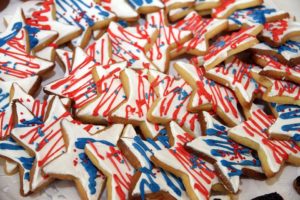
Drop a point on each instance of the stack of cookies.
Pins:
(160, 98)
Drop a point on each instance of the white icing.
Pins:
(174, 96)
(110, 160)
(120, 8)
(211, 93)
(48, 142)
(110, 93)
(238, 77)
(254, 130)
(144, 4)
(168, 38)
(128, 44)
(72, 162)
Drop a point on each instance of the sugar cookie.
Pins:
(272, 153)
(209, 95)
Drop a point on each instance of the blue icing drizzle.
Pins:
(15, 30)
(225, 146)
(26, 123)
(256, 14)
(291, 46)
(290, 112)
(27, 164)
(81, 8)
(32, 31)
(86, 162)
(3, 97)
(149, 180)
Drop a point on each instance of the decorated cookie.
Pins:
(86, 15)
(150, 181)
(110, 94)
(286, 124)
(168, 38)
(272, 153)
(278, 91)
(278, 32)
(140, 97)
(274, 69)
(229, 45)
(16, 61)
(288, 53)
(16, 153)
(254, 16)
(40, 14)
(120, 8)
(44, 141)
(131, 44)
(236, 74)
(10, 91)
(78, 83)
(146, 6)
(197, 176)
(173, 98)
(101, 50)
(203, 29)
(209, 95)
(76, 165)
(230, 159)
(227, 7)
(108, 158)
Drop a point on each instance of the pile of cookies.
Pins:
(160, 98)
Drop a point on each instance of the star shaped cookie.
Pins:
(44, 141)
(228, 45)
(198, 176)
(85, 14)
(278, 32)
(77, 83)
(131, 44)
(203, 29)
(149, 180)
(110, 94)
(76, 165)
(236, 75)
(230, 159)
(173, 97)
(108, 158)
(16, 61)
(209, 95)
(168, 38)
(140, 97)
(271, 152)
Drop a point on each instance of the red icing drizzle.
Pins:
(82, 92)
(122, 178)
(198, 26)
(5, 131)
(193, 166)
(38, 17)
(122, 38)
(257, 126)
(231, 41)
(277, 29)
(24, 65)
(41, 136)
(172, 91)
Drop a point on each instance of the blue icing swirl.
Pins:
(32, 31)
